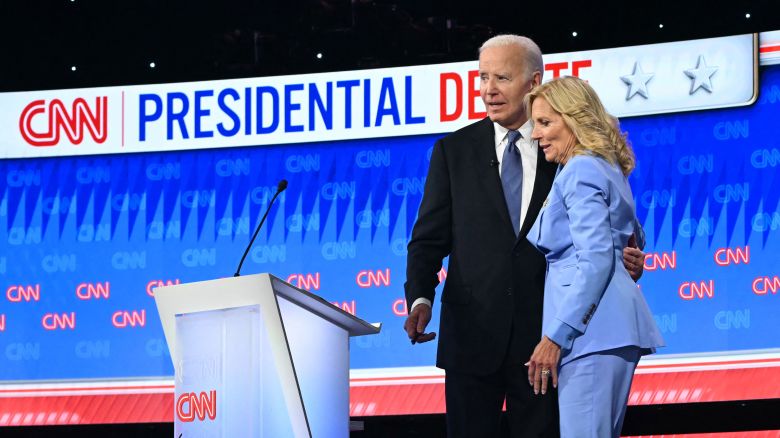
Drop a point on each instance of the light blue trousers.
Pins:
(593, 393)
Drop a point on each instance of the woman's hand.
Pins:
(543, 364)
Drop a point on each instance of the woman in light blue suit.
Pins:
(596, 323)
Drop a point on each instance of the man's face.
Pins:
(504, 84)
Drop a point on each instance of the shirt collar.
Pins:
(501, 132)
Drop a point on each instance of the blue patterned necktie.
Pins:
(512, 179)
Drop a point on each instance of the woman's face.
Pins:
(555, 138)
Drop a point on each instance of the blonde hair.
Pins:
(531, 53)
(595, 130)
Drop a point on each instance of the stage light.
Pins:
(319, 55)
(152, 65)
(747, 15)
(661, 26)
(73, 68)
(574, 34)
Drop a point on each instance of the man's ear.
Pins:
(537, 79)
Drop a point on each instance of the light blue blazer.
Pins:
(591, 304)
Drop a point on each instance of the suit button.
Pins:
(509, 291)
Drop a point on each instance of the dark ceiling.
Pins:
(113, 42)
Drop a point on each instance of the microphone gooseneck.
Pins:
(279, 189)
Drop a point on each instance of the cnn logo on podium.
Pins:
(191, 406)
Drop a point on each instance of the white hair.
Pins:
(531, 54)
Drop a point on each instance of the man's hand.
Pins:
(416, 322)
(634, 259)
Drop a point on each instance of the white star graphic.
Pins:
(637, 82)
(701, 76)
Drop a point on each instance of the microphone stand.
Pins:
(279, 189)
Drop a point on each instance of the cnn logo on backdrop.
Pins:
(42, 123)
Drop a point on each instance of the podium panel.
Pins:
(317, 348)
(222, 388)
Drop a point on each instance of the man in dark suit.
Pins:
(485, 186)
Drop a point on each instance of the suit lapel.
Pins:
(487, 169)
(545, 173)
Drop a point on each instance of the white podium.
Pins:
(257, 357)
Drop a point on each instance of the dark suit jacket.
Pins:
(495, 281)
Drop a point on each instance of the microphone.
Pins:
(279, 189)
(494, 163)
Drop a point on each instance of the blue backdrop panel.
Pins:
(85, 239)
